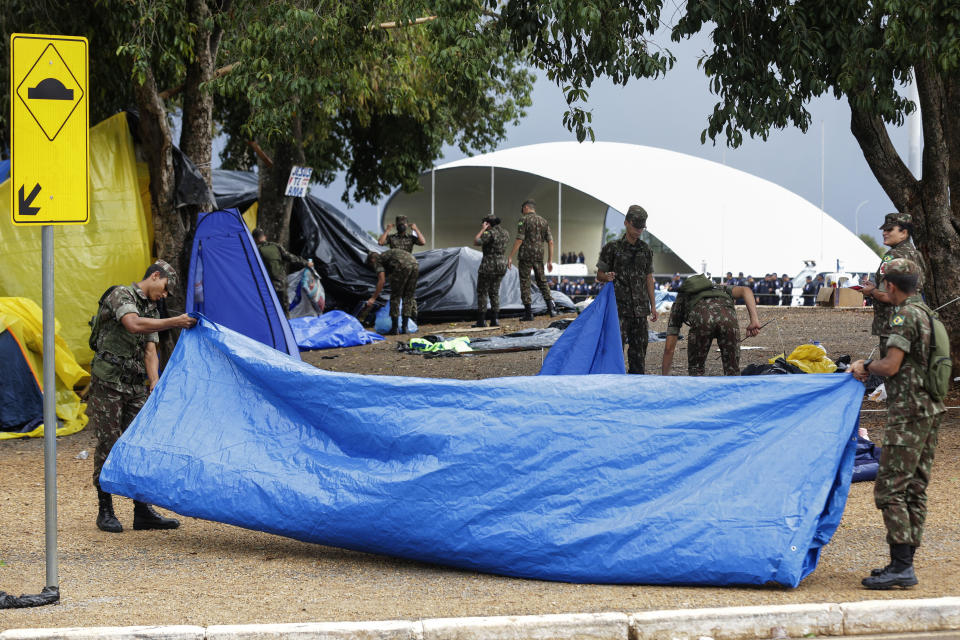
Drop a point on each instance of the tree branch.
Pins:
(881, 156)
(397, 25)
(222, 71)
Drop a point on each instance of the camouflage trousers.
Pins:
(634, 334)
(403, 286)
(537, 268)
(900, 490)
(707, 323)
(281, 289)
(488, 286)
(111, 412)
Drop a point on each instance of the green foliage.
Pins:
(871, 242)
(376, 103)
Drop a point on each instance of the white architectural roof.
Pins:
(704, 211)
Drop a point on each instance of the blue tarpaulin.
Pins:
(332, 329)
(583, 478)
(591, 344)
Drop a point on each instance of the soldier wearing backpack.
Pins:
(916, 362)
(124, 371)
(709, 310)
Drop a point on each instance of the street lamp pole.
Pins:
(856, 218)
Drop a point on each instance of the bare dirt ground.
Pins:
(208, 573)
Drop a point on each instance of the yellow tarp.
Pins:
(24, 319)
(811, 358)
(113, 248)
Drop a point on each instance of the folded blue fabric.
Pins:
(583, 478)
(591, 344)
(332, 329)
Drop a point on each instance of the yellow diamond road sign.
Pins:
(49, 123)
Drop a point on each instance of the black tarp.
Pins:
(446, 289)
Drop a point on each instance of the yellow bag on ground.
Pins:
(811, 358)
(24, 319)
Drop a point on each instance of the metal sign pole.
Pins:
(49, 408)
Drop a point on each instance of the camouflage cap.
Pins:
(637, 216)
(401, 219)
(171, 275)
(896, 220)
(901, 267)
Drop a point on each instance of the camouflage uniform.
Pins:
(881, 310)
(401, 270)
(709, 318)
(535, 231)
(118, 387)
(492, 267)
(631, 263)
(910, 435)
(403, 241)
(273, 256)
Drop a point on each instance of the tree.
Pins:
(372, 88)
(871, 242)
(768, 60)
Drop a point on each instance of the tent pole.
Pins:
(49, 406)
(433, 206)
(492, 190)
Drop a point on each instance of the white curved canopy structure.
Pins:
(712, 217)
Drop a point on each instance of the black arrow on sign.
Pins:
(25, 208)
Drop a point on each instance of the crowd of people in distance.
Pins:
(576, 288)
(571, 257)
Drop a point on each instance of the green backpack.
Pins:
(94, 323)
(936, 379)
(698, 287)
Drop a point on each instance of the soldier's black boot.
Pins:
(899, 573)
(481, 319)
(144, 517)
(403, 324)
(393, 327)
(527, 313)
(495, 318)
(106, 520)
(552, 308)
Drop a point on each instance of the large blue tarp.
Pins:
(591, 344)
(332, 329)
(584, 478)
(228, 283)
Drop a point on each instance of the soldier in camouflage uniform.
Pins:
(124, 371)
(897, 231)
(913, 419)
(709, 310)
(493, 239)
(402, 269)
(628, 263)
(274, 256)
(404, 237)
(532, 232)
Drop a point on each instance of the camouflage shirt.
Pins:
(404, 241)
(494, 241)
(632, 263)
(273, 256)
(117, 345)
(907, 400)
(534, 231)
(881, 310)
(393, 260)
(681, 310)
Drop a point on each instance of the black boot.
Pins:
(481, 319)
(144, 517)
(393, 327)
(495, 318)
(106, 520)
(403, 324)
(551, 308)
(899, 573)
(527, 313)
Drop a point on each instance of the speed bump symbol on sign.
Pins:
(50, 128)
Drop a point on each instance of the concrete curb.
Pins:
(733, 623)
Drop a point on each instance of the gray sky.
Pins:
(671, 112)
